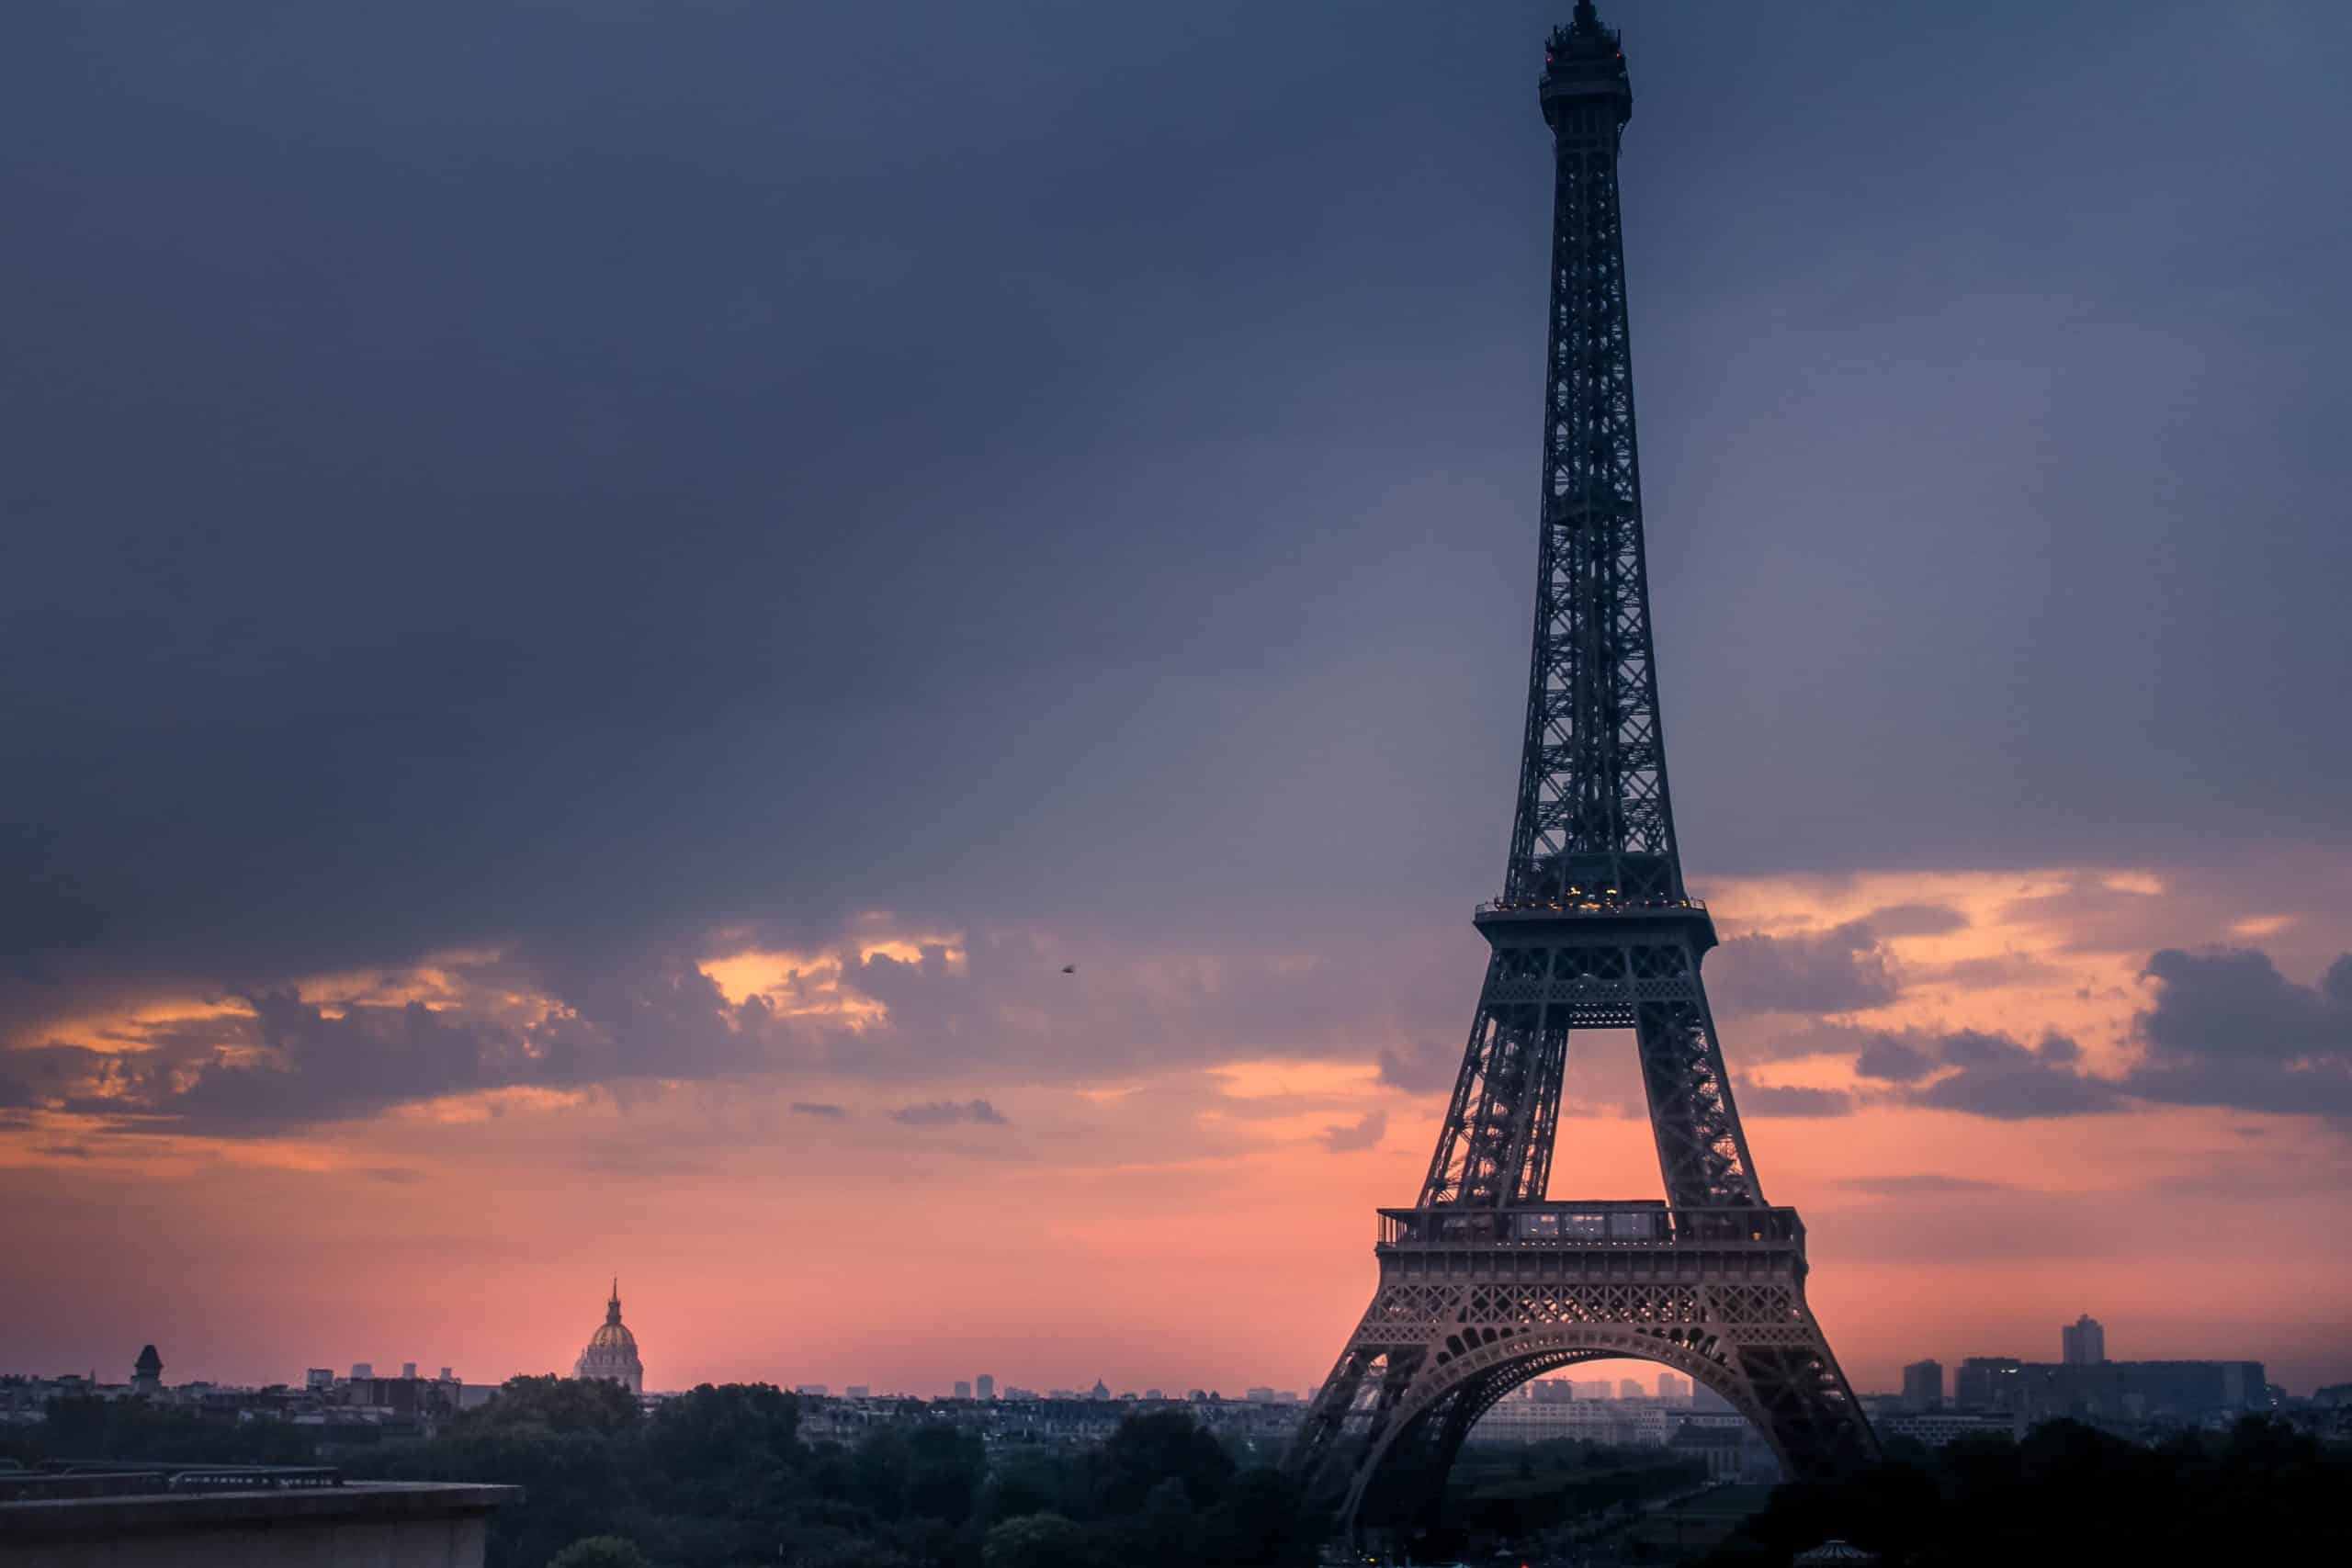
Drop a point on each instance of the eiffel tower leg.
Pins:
(1701, 1152)
(1718, 1297)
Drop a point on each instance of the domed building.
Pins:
(612, 1350)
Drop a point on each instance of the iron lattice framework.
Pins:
(1485, 1283)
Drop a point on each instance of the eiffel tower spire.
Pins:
(1486, 1282)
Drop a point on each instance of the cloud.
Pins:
(819, 1110)
(2228, 1029)
(1915, 920)
(1363, 1134)
(2003, 1080)
(1889, 1058)
(1419, 1069)
(393, 1175)
(1920, 1184)
(939, 1112)
(1843, 969)
(1768, 1099)
(1991, 972)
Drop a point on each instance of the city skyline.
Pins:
(520, 780)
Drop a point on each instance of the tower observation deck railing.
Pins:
(1642, 1224)
(1590, 905)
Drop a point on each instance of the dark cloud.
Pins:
(1921, 1185)
(2234, 1003)
(1843, 969)
(2003, 1080)
(939, 1112)
(639, 555)
(2228, 1029)
(1991, 972)
(1362, 1133)
(1915, 920)
(1889, 1058)
(1419, 1069)
(1764, 1099)
(819, 1110)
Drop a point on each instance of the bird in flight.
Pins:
(1069, 968)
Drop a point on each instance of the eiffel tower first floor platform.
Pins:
(1473, 1302)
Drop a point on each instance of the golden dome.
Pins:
(611, 1353)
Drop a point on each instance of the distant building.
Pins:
(2042, 1390)
(1923, 1384)
(858, 1391)
(985, 1385)
(611, 1353)
(408, 1369)
(812, 1390)
(1630, 1388)
(1937, 1428)
(1987, 1383)
(147, 1372)
(1101, 1390)
(1620, 1421)
(1259, 1396)
(1718, 1447)
(318, 1378)
(963, 1389)
(363, 1369)
(1593, 1388)
(1153, 1393)
(1673, 1389)
(2083, 1343)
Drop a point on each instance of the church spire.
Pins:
(612, 1307)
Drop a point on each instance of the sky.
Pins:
(601, 598)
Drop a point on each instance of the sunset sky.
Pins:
(597, 599)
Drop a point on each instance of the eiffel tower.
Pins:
(1488, 1281)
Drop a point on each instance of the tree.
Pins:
(1149, 1450)
(1036, 1540)
(945, 1469)
(560, 1404)
(601, 1551)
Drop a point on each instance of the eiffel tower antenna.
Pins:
(1488, 1281)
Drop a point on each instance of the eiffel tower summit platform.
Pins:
(1488, 1281)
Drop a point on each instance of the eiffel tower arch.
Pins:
(1487, 1281)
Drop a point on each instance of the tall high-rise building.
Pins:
(1630, 1388)
(408, 1369)
(2083, 1342)
(362, 1370)
(963, 1389)
(1923, 1385)
(986, 1386)
(1673, 1389)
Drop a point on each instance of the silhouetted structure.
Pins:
(611, 1353)
(2083, 1343)
(1486, 1282)
(1923, 1384)
(147, 1372)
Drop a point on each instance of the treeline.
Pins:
(2069, 1494)
(720, 1477)
(1524, 1490)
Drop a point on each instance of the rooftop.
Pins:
(110, 1500)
